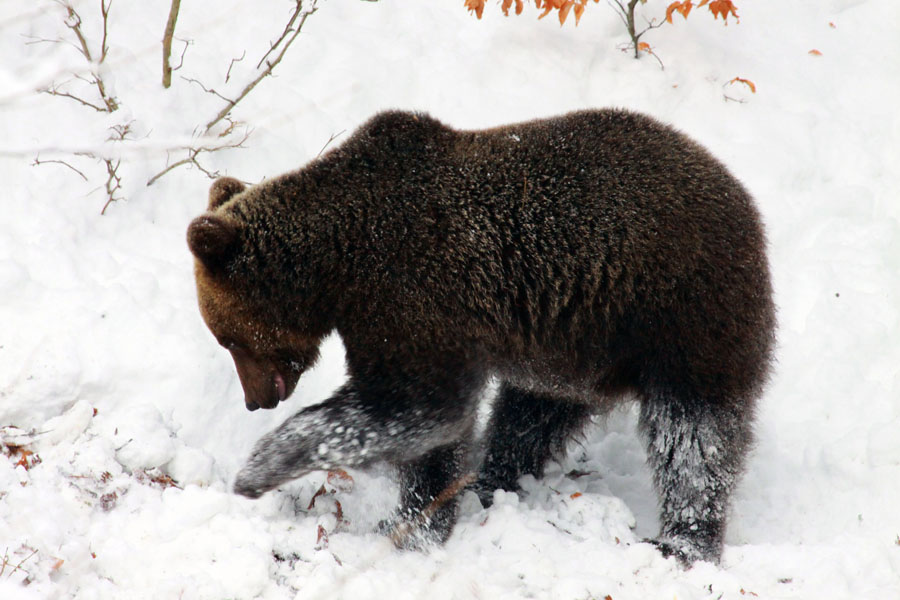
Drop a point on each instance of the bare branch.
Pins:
(37, 162)
(619, 10)
(104, 10)
(18, 567)
(194, 153)
(173, 166)
(288, 38)
(183, 52)
(54, 92)
(113, 183)
(333, 137)
(207, 90)
(231, 64)
(73, 22)
(626, 14)
(33, 40)
(651, 24)
(405, 529)
(167, 43)
(284, 34)
(650, 51)
(291, 31)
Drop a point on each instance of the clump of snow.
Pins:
(122, 422)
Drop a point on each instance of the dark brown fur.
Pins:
(575, 258)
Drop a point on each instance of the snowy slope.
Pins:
(108, 375)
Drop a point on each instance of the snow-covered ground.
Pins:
(135, 417)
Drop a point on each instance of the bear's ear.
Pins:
(212, 239)
(222, 190)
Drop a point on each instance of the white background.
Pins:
(98, 313)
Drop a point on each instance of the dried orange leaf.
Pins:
(684, 8)
(321, 538)
(505, 7)
(564, 12)
(519, 6)
(320, 492)
(579, 10)
(669, 10)
(815, 52)
(475, 5)
(724, 8)
(575, 495)
(340, 480)
(746, 82)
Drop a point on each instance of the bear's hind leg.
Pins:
(696, 451)
(525, 430)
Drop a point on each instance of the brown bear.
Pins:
(581, 260)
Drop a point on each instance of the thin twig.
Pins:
(113, 180)
(284, 34)
(183, 52)
(205, 89)
(113, 183)
(193, 153)
(73, 22)
(331, 139)
(54, 92)
(619, 10)
(104, 10)
(37, 162)
(303, 15)
(18, 567)
(290, 33)
(33, 40)
(650, 51)
(231, 64)
(403, 530)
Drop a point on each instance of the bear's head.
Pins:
(269, 352)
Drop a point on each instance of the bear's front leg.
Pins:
(335, 433)
(402, 424)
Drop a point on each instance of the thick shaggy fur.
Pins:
(578, 259)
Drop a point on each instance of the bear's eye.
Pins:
(228, 343)
(288, 359)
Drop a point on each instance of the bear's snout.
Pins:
(264, 385)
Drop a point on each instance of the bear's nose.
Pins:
(251, 406)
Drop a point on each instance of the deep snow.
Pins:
(108, 375)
